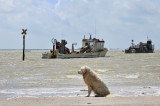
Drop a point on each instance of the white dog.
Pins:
(94, 82)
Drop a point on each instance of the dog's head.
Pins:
(84, 70)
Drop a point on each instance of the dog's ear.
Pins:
(85, 69)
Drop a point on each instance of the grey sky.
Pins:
(117, 22)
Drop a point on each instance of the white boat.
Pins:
(83, 55)
(91, 48)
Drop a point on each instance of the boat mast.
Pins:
(95, 29)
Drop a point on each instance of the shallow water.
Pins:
(124, 74)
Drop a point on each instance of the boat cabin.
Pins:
(94, 44)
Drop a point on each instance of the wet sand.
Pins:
(82, 101)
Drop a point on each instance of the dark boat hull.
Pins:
(147, 47)
(134, 50)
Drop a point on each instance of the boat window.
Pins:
(102, 44)
(89, 44)
(86, 44)
(92, 43)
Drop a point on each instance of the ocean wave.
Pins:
(136, 75)
(74, 77)
(36, 92)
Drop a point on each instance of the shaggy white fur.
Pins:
(94, 83)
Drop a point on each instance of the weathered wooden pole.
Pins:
(23, 48)
(24, 32)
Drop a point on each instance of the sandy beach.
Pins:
(82, 101)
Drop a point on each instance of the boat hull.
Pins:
(77, 55)
(137, 50)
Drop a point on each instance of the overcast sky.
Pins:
(117, 22)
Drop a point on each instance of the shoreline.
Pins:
(82, 101)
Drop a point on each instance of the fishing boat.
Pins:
(147, 47)
(91, 48)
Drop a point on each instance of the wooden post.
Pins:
(24, 32)
(23, 48)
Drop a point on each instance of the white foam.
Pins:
(74, 76)
(136, 75)
(34, 92)
(100, 70)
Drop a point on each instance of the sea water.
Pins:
(124, 74)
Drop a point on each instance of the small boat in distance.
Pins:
(91, 48)
(147, 47)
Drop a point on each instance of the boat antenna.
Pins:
(95, 28)
(147, 36)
